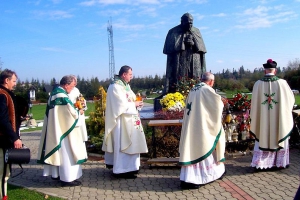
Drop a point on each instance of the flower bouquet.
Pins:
(173, 102)
(80, 102)
(185, 84)
(240, 102)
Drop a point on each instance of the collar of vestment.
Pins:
(198, 86)
(59, 100)
(120, 81)
(269, 78)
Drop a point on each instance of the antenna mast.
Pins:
(111, 50)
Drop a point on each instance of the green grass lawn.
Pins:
(38, 111)
(15, 192)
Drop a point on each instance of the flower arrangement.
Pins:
(80, 102)
(173, 102)
(185, 84)
(240, 102)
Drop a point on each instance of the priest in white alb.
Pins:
(62, 150)
(202, 141)
(271, 119)
(124, 138)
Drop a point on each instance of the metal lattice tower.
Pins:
(111, 50)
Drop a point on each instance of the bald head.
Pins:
(208, 78)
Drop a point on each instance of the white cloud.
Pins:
(54, 49)
(56, 1)
(197, 1)
(53, 14)
(262, 17)
(198, 16)
(150, 11)
(115, 12)
(113, 2)
(219, 15)
(124, 25)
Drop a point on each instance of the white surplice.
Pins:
(68, 170)
(122, 162)
(202, 172)
(124, 137)
(268, 159)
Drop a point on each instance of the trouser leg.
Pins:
(4, 174)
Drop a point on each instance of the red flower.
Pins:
(138, 122)
(270, 60)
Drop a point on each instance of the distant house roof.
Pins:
(49, 88)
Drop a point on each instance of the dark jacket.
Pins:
(9, 130)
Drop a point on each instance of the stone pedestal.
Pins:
(157, 106)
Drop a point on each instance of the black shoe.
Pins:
(134, 172)
(127, 175)
(56, 179)
(70, 184)
(189, 186)
(109, 166)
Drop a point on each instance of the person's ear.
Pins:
(6, 80)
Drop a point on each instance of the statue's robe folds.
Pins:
(183, 60)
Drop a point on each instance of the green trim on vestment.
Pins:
(56, 102)
(81, 161)
(61, 138)
(198, 86)
(267, 149)
(206, 155)
(120, 81)
(269, 78)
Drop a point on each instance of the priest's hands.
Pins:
(81, 111)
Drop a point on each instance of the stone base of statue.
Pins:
(157, 105)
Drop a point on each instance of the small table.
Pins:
(162, 123)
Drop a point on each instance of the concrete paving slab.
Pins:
(162, 182)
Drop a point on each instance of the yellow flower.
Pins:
(173, 101)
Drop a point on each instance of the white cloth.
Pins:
(202, 131)
(268, 159)
(271, 112)
(81, 121)
(202, 172)
(61, 146)
(124, 138)
(202, 141)
(68, 171)
(121, 162)
(74, 94)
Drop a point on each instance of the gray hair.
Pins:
(7, 73)
(270, 70)
(67, 80)
(206, 76)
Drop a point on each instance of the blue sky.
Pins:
(45, 39)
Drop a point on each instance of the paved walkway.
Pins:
(162, 182)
